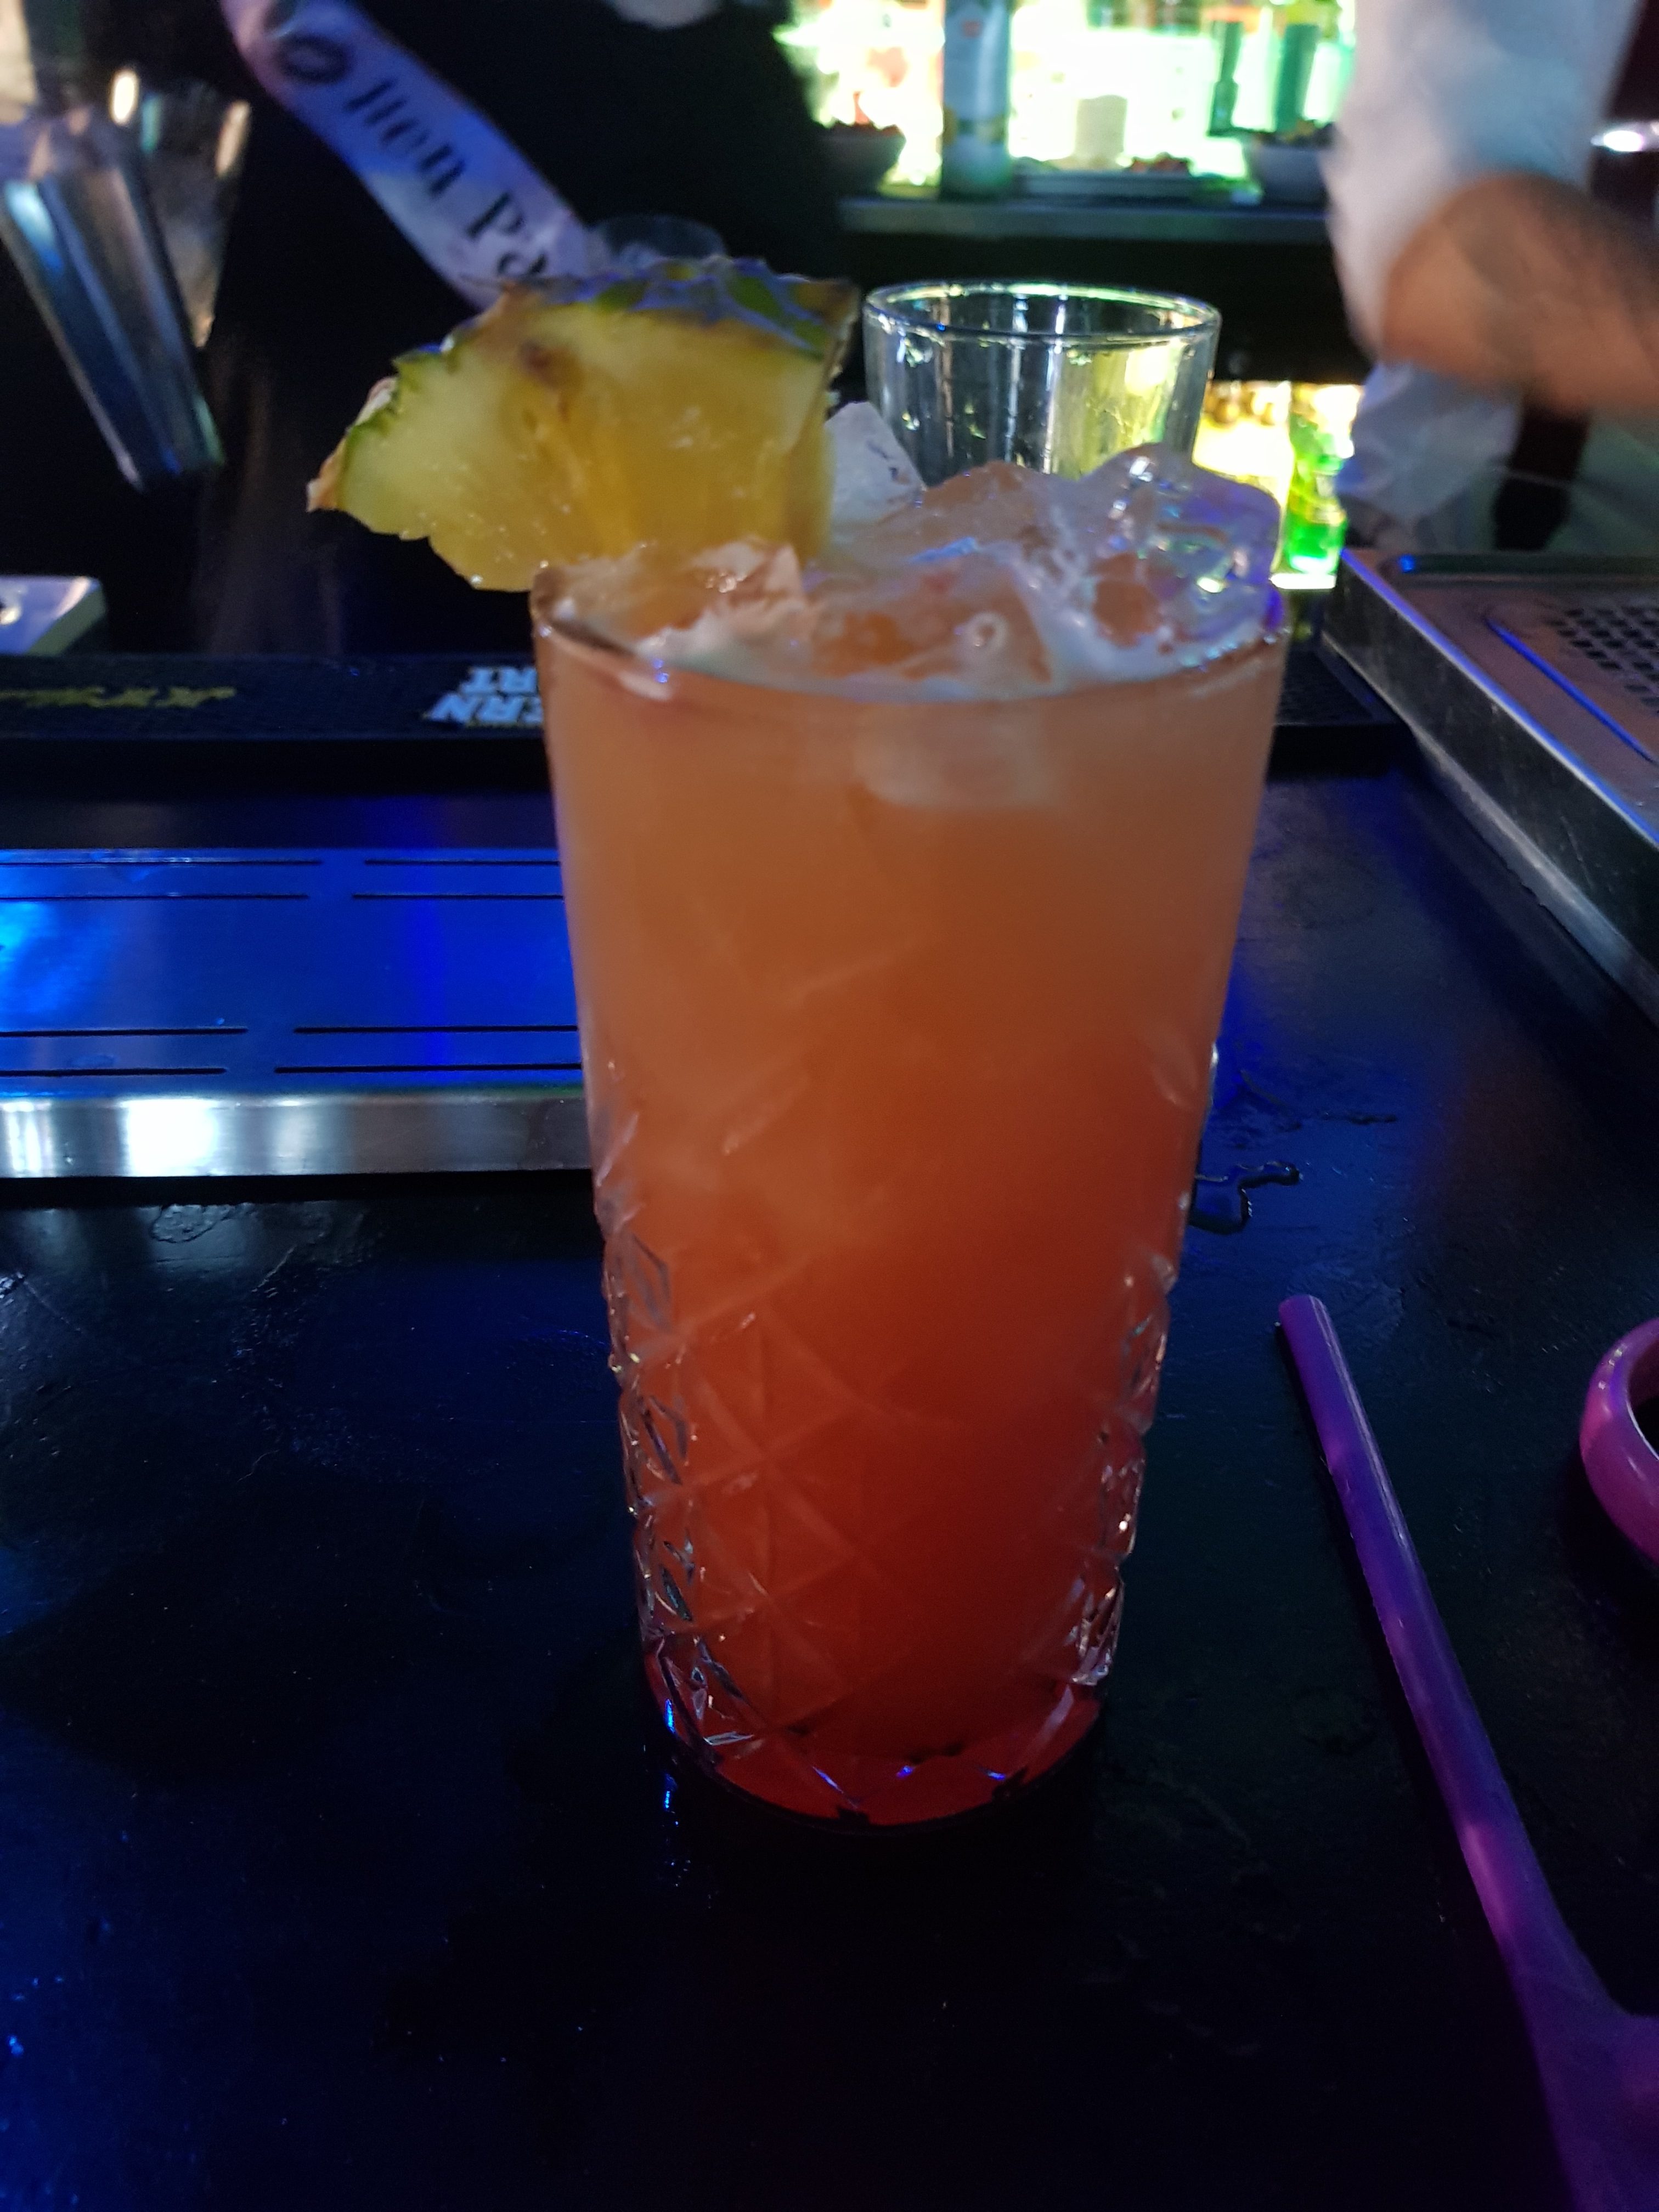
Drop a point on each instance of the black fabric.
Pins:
(1548, 450)
(1532, 500)
(1636, 95)
(321, 291)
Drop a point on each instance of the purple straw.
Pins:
(1599, 2064)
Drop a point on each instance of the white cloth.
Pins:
(1444, 92)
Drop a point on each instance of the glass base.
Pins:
(785, 1769)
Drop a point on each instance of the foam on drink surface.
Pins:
(1003, 583)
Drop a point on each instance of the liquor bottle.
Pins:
(1228, 21)
(1160, 59)
(1304, 29)
(1322, 438)
(974, 159)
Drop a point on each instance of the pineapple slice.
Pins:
(684, 408)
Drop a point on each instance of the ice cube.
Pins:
(1000, 505)
(962, 621)
(646, 596)
(1002, 583)
(874, 474)
(1202, 544)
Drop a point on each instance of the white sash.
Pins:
(464, 196)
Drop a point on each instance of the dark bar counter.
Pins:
(346, 1866)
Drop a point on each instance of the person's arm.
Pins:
(1523, 284)
(1457, 210)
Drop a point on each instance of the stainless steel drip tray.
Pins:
(1531, 688)
(294, 1012)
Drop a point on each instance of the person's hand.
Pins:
(1519, 283)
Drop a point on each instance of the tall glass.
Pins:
(1057, 377)
(896, 1022)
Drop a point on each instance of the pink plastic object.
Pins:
(1622, 1465)
(1599, 2065)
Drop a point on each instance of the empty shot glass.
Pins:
(1058, 377)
